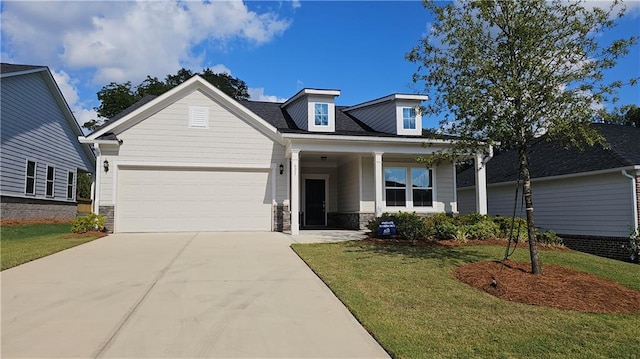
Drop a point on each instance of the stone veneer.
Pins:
(32, 209)
(108, 212)
(281, 218)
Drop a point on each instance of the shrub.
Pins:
(461, 235)
(550, 238)
(88, 223)
(519, 227)
(375, 222)
(441, 226)
(634, 244)
(471, 219)
(483, 229)
(410, 226)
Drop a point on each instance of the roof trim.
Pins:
(304, 136)
(194, 83)
(392, 97)
(24, 72)
(310, 91)
(559, 177)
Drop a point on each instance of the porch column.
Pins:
(481, 184)
(295, 193)
(378, 181)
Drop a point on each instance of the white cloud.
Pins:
(220, 69)
(67, 86)
(127, 40)
(257, 94)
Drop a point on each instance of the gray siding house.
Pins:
(40, 154)
(591, 197)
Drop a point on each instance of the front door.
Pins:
(314, 202)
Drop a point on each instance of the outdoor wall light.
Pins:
(281, 168)
(323, 158)
(105, 165)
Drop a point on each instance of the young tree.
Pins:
(510, 70)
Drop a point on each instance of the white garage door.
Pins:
(179, 200)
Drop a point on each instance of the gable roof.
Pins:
(7, 69)
(550, 158)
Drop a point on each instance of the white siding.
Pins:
(165, 137)
(368, 199)
(597, 205)
(381, 117)
(466, 200)
(445, 187)
(349, 187)
(34, 127)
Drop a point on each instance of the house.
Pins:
(40, 154)
(194, 159)
(591, 194)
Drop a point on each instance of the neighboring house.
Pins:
(194, 159)
(589, 193)
(40, 154)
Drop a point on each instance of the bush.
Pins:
(483, 229)
(550, 238)
(375, 222)
(519, 227)
(88, 223)
(461, 235)
(410, 226)
(471, 219)
(441, 226)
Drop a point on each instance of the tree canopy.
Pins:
(507, 71)
(115, 97)
(628, 115)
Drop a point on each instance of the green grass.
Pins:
(25, 242)
(408, 300)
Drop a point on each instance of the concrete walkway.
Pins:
(225, 295)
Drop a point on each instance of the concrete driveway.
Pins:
(231, 295)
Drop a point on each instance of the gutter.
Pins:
(364, 138)
(634, 196)
(83, 139)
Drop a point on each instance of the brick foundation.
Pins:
(32, 209)
(108, 212)
(281, 218)
(608, 247)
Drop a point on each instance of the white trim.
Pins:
(314, 136)
(455, 188)
(274, 201)
(634, 196)
(203, 165)
(392, 97)
(26, 177)
(73, 185)
(97, 180)
(14, 195)
(84, 140)
(295, 193)
(409, 188)
(308, 91)
(303, 191)
(198, 117)
(23, 72)
(360, 183)
(400, 130)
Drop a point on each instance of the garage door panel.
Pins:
(151, 200)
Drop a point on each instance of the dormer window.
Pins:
(321, 114)
(408, 118)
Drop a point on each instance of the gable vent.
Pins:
(198, 117)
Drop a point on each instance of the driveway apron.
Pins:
(225, 295)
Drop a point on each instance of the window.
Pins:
(408, 118)
(321, 114)
(51, 175)
(198, 117)
(415, 191)
(421, 187)
(395, 182)
(70, 184)
(30, 178)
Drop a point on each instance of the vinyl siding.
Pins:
(445, 197)
(349, 186)
(368, 196)
(596, 205)
(34, 127)
(165, 137)
(299, 112)
(381, 117)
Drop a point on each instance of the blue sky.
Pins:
(277, 48)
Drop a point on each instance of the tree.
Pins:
(506, 71)
(83, 187)
(116, 97)
(628, 115)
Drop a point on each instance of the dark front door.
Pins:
(314, 202)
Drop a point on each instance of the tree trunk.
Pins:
(536, 268)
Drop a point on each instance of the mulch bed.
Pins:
(11, 222)
(557, 287)
(452, 243)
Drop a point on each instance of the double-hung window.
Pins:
(30, 178)
(51, 175)
(408, 118)
(321, 114)
(408, 187)
(395, 182)
(70, 185)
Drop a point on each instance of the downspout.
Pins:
(96, 195)
(634, 196)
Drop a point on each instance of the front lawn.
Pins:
(21, 243)
(407, 298)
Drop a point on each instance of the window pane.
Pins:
(395, 177)
(31, 168)
(31, 186)
(322, 114)
(70, 179)
(50, 172)
(70, 185)
(49, 188)
(408, 118)
(420, 177)
(396, 197)
(422, 198)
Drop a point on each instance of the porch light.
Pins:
(323, 158)
(281, 168)
(105, 165)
